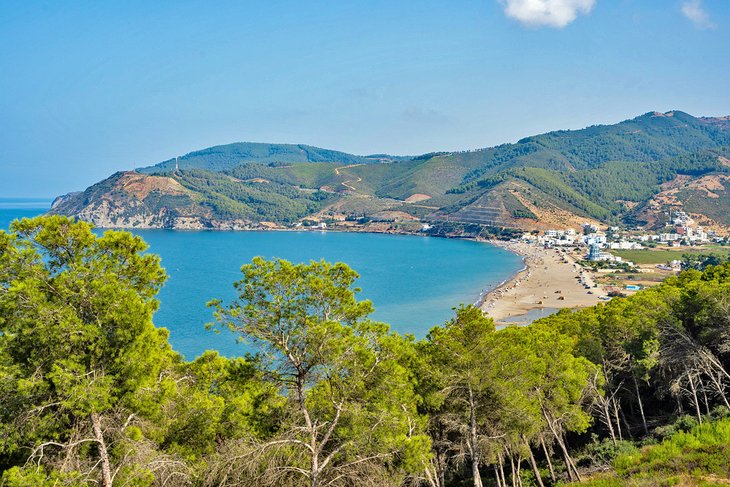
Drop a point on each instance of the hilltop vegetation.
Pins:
(229, 156)
(634, 391)
(610, 173)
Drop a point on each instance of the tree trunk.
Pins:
(547, 457)
(720, 388)
(572, 470)
(513, 470)
(501, 470)
(704, 395)
(535, 470)
(496, 476)
(616, 417)
(609, 423)
(475, 473)
(625, 422)
(441, 470)
(474, 445)
(568, 462)
(641, 405)
(564, 446)
(106, 469)
(431, 477)
(443, 457)
(314, 473)
(314, 464)
(694, 396)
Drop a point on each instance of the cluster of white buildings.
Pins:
(559, 238)
(680, 230)
(591, 237)
(683, 232)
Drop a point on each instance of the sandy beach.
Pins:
(550, 280)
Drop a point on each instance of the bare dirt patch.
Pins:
(415, 198)
(706, 184)
(679, 181)
(140, 185)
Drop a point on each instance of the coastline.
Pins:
(546, 281)
(550, 280)
(484, 295)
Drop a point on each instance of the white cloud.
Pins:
(552, 13)
(692, 9)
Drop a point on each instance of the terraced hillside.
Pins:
(628, 172)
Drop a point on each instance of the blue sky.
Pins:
(89, 88)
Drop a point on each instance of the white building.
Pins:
(624, 245)
(668, 237)
(595, 239)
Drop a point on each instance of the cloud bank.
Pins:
(693, 10)
(551, 13)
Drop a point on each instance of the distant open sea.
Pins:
(414, 282)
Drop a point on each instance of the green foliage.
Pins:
(224, 157)
(492, 394)
(335, 367)
(686, 457)
(40, 477)
(90, 391)
(515, 207)
(78, 344)
(702, 261)
(554, 184)
(601, 453)
(231, 199)
(593, 170)
(224, 399)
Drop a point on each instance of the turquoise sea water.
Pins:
(413, 281)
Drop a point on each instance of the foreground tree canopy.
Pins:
(351, 409)
(91, 392)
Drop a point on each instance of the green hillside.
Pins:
(611, 173)
(228, 156)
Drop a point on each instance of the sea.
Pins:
(414, 282)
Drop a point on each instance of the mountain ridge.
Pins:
(226, 156)
(606, 173)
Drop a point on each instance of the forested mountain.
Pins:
(228, 156)
(628, 172)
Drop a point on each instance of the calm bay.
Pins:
(414, 282)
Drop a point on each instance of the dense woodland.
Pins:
(633, 391)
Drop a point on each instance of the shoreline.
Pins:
(484, 295)
(545, 282)
(551, 280)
